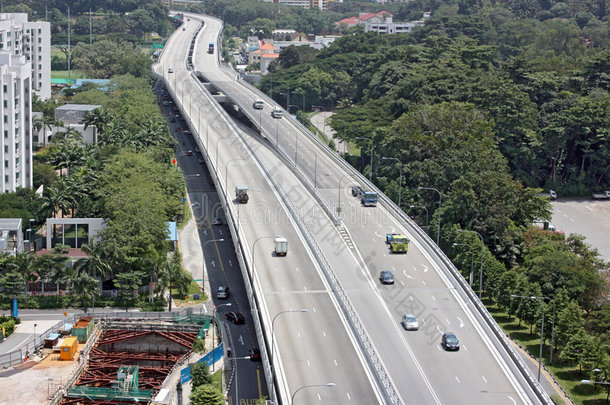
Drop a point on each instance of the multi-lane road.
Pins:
(351, 334)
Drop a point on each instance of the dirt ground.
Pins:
(30, 383)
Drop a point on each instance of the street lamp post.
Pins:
(371, 171)
(471, 260)
(424, 208)
(216, 329)
(399, 181)
(216, 154)
(207, 132)
(302, 94)
(540, 300)
(227, 173)
(272, 330)
(287, 94)
(440, 198)
(482, 249)
(277, 133)
(253, 245)
(339, 202)
(330, 384)
(600, 383)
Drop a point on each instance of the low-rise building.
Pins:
(11, 236)
(72, 116)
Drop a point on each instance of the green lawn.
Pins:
(193, 289)
(63, 74)
(217, 380)
(567, 376)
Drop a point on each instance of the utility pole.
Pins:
(69, 49)
(90, 28)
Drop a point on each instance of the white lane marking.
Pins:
(572, 220)
(465, 348)
(205, 309)
(393, 268)
(410, 277)
(373, 239)
(276, 269)
(404, 272)
(384, 255)
(590, 209)
(305, 287)
(402, 282)
(438, 329)
(230, 264)
(425, 267)
(461, 322)
(511, 398)
(324, 333)
(414, 268)
(448, 323)
(348, 397)
(314, 309)
(484, 379)
(336, 364)
(297, 269)
(423, 282)
(213, 263)
(457, 379)
(299, 333)
(319, 397)
(433, 299)
(241, 340)
(308, 363)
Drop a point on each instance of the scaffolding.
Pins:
(125, 388)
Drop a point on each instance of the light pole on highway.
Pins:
(371, 171)
(339, 202)
(277, 132)
(216, 154)
(540, 300)
(272, 330)
(287, 94)
(424, 208)
(400, 179)
(207, 132)
(471, 260)
(440, 201)
(253, 246)
(482, 250)
(303, 94)
(330, 384)
(227, 173)
(214, 313)
(606, 384)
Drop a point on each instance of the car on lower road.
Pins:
(410, 322)
(386, 277)
(236, 317)
(450, 342)
(223, 292)
(255, 354)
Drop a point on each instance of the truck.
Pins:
(211, 47)
(602, 196)
(241, 194)
(399, 243)
(552, 194)
(368, 199)
(281, 246)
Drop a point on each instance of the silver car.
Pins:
(410, 322)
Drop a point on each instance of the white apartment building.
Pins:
(32, 39)
(16, 122)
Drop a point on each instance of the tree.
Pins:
(574, 350)
(43, 175)
(128, 284)
(206, 395)
(200, 374)
(12, 282)
(593, 355)
(173, 276)
(569, 322)
(24, 263)
(529, 308)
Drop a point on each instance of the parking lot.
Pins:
(586, 217)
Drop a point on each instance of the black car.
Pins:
(450, 342)
(235, 317)
(357, 191)
(255, 354)
(386, 277)
(172, 118)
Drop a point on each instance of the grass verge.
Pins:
(189, 300)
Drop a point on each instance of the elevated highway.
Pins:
(338, 248)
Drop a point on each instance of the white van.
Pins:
(277, 112)
(258, 104)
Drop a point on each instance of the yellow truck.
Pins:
(399, 243)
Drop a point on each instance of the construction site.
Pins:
(120, 361)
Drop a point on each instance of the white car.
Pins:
(170, 70)
(410, 322)
(277, 112)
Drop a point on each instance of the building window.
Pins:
(17, 161)
(6, 163)
(6, 180)
(6, 118)
(39, 40)
(6, 133)
(5, 148)
(5, 103)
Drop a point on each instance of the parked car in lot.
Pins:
(450, 342)
(223, 292)
(386, 277)
(236, 317)
(410, 322)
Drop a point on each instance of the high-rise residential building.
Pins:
(32, 39)
(15, 122)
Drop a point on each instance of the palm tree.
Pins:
(53, 267)
(173, 276)
(25, 264)
(98, 119)
(94, 265)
